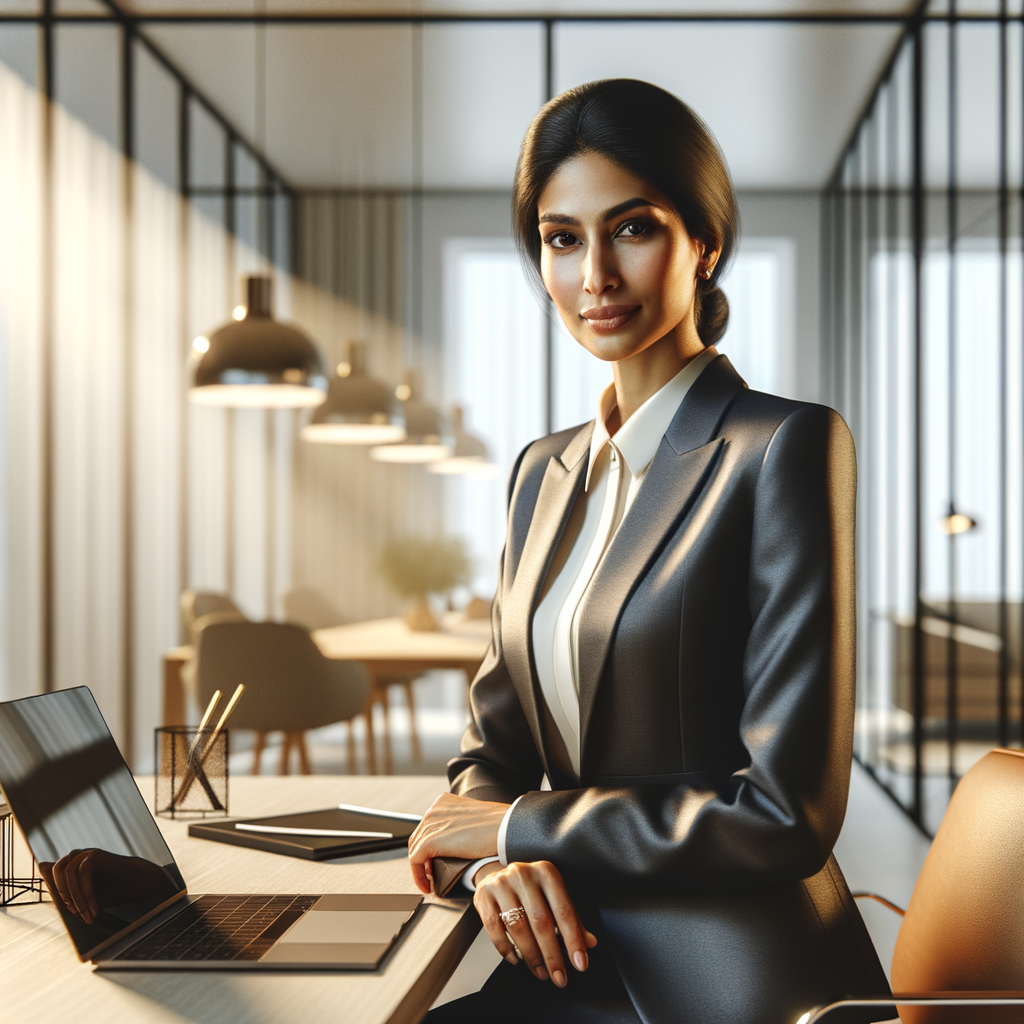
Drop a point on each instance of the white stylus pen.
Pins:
(286, 830)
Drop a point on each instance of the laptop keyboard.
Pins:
(222, 928)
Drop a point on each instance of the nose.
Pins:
(600, 269)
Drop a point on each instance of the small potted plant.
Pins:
(417, 566)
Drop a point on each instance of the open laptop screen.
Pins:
(83, 816)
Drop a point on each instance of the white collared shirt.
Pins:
(615, 472)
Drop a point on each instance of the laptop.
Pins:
(127, 905)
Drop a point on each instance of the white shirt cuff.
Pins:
(470, 873)
(502, 830)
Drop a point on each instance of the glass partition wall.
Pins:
(923, 349)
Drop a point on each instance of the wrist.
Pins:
(487, 869)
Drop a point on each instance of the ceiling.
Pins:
(445, 104)
(781, 98)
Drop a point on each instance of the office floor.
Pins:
(879, 849)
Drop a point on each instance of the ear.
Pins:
(710, 252)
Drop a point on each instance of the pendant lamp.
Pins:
(424, 427)
(257, 362)
(469, 456)
(358, 409)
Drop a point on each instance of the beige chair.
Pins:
(958, 956)
(309, 608)
(289, 685)
(196, 604)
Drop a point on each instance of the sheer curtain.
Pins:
(130, 460)
(21, 327)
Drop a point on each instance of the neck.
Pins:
(647, 372)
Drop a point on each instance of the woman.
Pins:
(673, 634)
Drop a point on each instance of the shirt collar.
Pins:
(637, 440)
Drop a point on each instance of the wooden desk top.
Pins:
(42, 981)
(458, 640)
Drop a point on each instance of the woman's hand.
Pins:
(538, 888)
(455, 826)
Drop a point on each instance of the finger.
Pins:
(420, 875)
(85, 881)
(508, 891)
(74, 887)
(488, 909)
(59, 882)
(542, 924)
(574, 935)
(46, 867)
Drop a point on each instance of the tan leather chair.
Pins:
(289, 685)
(961, 942)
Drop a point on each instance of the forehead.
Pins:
(589, 184)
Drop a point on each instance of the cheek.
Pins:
(562, 280)
(661, 274)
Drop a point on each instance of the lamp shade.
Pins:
(424, 429)
(358, 409)
(258, 362)
(469, 456)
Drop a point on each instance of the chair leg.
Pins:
(414, 737)
(350, 747)
(300, 742)
(384, 703)
(257, 751)
(286, 749)
(371, 739)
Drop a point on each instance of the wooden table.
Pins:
(393, 653)
(42, 981)
(390, 650)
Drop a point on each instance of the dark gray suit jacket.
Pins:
(716, 674)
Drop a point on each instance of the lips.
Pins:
(608, 318)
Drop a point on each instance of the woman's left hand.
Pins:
(455, 826)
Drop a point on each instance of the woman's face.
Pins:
(617, 260)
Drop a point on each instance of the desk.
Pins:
(42, 981)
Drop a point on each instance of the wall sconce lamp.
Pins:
(953, 523)
(359, 409)
(256, 362)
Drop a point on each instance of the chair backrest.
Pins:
(195, 604)
(289, 684)
(964, 927)
(309, 608)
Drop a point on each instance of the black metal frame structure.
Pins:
(851, 213)
(887, 217)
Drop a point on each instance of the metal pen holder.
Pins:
(191, 779)
(17, 886)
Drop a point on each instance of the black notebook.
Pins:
(315, 835)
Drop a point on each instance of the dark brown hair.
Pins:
(655, 136)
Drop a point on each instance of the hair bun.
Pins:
(713, 314)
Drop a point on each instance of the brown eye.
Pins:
(633, 229)
(561, 240)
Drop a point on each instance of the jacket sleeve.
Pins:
(498, 757)
(778, 818)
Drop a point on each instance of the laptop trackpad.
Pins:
(344, 930)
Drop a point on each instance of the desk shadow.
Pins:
(396, 853)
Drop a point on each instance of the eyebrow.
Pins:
(610, 214)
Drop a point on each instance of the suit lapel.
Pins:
(676, 476)
(559, 488)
